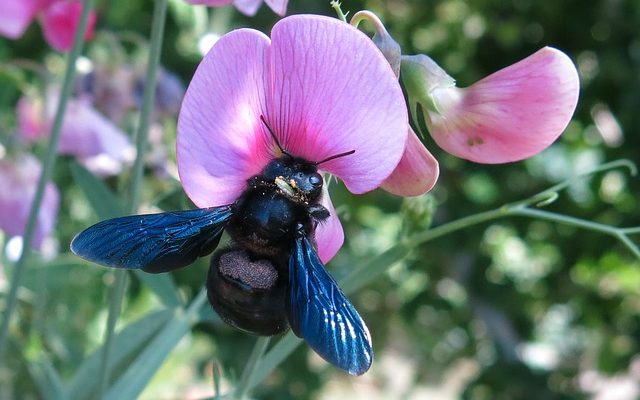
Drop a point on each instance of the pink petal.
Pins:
(30, 115)
(221, 140)
(278, 6)
(417, 171)
(211, 3)
(60, 22)
(15, 16)
(18, 181)
(332, 91)
(248, 7)
(86, 133)
(329, 235)
(510, 115)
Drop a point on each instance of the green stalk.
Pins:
(45, 175)
(254, 359)
(142, 134)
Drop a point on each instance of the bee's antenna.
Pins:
(346, 153)
(273, 135)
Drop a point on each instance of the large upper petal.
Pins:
(221, 141)
(511, 114)
(417, 171)
(16, 15)
(331, 91)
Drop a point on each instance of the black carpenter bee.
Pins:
(270, 277)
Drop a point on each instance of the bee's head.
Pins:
(295, 176)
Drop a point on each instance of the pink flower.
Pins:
(59, 20)
(86, 134)
(417, 172)
(508, 116)
(323, 88)
(247, 7)
(18, 181)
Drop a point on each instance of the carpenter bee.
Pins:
(269, 278)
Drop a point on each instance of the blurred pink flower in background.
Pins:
(323, 88)
(59, 20)
(18, 180)
(508, 116)
(86, 134)
(247, 7)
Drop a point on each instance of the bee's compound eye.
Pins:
(315, 180)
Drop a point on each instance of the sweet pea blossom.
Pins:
(508, 116)
(59, 20)
(322, 87)
(247, 7)
(86, 134)
(418, 169)
(18, 181)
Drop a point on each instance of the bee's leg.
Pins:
(318, 212)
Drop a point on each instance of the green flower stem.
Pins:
(249, 370)
(337, 6)
(142, 133)
(618, 233)
(45, 175)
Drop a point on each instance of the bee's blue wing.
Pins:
(153, 242)
(320, 313)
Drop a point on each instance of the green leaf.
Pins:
(103, 201)
(47, 379)
(140, 371)
(163, 286)
(126, 344)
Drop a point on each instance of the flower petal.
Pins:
(15, 16)
(329, 235)
(31, 124)
(248, 7)
(417, 171)
(510, 115)
(18, 181)
(60, 22)
(332, 91)
(278, 6)
(221, 141)
(211, 3)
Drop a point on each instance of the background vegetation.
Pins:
(515, 308)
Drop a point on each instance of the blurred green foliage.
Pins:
(513, 309)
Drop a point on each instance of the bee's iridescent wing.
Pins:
(153, 242)
(320, 313)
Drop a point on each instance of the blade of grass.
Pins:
(46, 378)
(45, 176)
(135, 378)
(103, 201)
(256, 355)
(127, 343)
